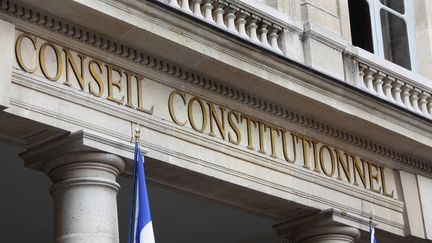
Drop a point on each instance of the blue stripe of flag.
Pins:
(140, 212)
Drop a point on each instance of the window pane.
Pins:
(361, 30)
(395, 39)
(396, 5)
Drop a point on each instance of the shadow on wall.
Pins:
(182, 218)
(26, 205)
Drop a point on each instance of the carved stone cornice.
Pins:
(65, 28)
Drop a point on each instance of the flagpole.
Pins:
(372, 238)
(137, 136)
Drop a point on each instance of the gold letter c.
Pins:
(171, 107)
(18, 52)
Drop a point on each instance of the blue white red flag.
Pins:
(141, 227)
(372, 234)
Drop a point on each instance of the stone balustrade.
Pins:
(401, 92)
(234, 19)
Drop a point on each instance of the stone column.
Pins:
(328, 234)
(321, 227)
(84, 189)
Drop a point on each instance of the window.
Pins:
(386, 28)
(361, 32)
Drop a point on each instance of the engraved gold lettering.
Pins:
(114, 83)
(315, 153)
(384, 187)
(234, 127)
(360, 171)
(373, 177)
(344, 164)
(18, 52)
(326, 158)
(42, 61)
(273, 133)
(171, 106)
(220, 122)
(285, 146)
(322, 161)
(96, 76)
(129, 76)
(305, 143)
(249, 122)
(140, 98)
(261, 130)
(79, 74)
(191, 114)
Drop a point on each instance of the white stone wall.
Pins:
(423, 20)
(7, 40)
(228, 71)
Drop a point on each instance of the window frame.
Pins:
(375, 7)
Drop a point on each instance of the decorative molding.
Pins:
(210, 143)
(190, 136)
(85, 36)
(184, 134)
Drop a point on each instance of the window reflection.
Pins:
(395, 39)
(396, 5)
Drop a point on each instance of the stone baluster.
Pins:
(397, 92)
(241, 22)
(251, 28)
(230, 17)
(219, 12)
(423, 101)
(185, 6)
(273, 37)
(388, 81)
(378, 83)
(208, 11)
(263, 32)
(429, 105)
(360, 83)
(369, 72)
(197, 8)
(414, 99)
(405, 95)
(174, 3)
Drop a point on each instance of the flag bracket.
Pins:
(137, 133)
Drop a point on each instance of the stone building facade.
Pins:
(315, 114)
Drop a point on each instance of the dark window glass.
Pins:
(396, 5)
(395, 39)
(361, 31)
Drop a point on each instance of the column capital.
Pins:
(325, 226)
(84, 188)
(335, 233)
(67, 150)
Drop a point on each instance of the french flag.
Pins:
(372, 234)
(141, 227)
